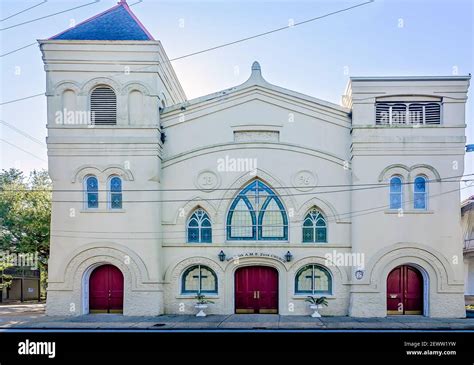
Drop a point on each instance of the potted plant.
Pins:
(201, 304)
(315, 304)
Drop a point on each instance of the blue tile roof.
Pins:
(115, 24)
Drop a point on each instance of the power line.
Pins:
(216, 199)
(29, 136)
(20, 99)
(32, 44)
(49, 15)
(21, 149)
(364, 186)
(23, 11)
(222, 45)
(329, 218)
(18, 49)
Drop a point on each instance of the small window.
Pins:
(199, 227)
(103, 106)
(199, 279)
(314, 227)
(115, 193)
(395, 192)
(92, 192)
(419, 194)
(313, 279)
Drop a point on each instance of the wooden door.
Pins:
(405, 291)
(256, 290)
(106, 290)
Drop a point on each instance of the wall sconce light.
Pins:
(221, 256)
(288, 256)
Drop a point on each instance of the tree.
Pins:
(25, 213)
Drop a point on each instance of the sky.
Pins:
(386, 37)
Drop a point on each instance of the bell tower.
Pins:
(107, 79)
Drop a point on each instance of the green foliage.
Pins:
(25, 213)
(201, 299)
(317, 300)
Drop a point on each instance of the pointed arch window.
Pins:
(115, 192)
(313, 279)
(395, 192)
(419, 193)
(199, 279)
(199, 227)
(257, 214)
(92, 192)
(314, 227)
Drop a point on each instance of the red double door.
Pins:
(106, 290)
(405, 291)
(256, 290)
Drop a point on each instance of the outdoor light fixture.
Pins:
(288, 256)
(221, 255)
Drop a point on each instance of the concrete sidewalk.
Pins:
(32, 316)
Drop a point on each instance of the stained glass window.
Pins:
(115, 192)
(395, 192)
(313, 279)
(314, 227)
(92, 192)
(257, 213)
(419, 194)
(199, 227)
(199, 279)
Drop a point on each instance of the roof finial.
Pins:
(256, 67)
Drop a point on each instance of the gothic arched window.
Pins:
(258, 214)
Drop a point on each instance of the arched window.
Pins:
(92, 192)
(395, 192)
(103, 106)
(314, 227)
(115, 192)
(419, 193)
(199, 279)
(313, 279)
(257, 214)
(199, 227)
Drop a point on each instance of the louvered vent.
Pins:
(103, 106)
(407, 113)
(432, 113)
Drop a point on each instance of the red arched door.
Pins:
(106, 290)
(405, 291)
(256, 290)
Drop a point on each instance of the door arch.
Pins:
(256, 289)
(106, 290)
(405, 291)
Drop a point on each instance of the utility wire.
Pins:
(29, 136)
(222, 45)
(23, 11)
(329, 218)
(214, 199)
(50, 15)
(367, 185)
(21, 149)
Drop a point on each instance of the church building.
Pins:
(255, 197)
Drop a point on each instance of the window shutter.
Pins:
(103, 106)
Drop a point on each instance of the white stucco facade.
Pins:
(311, 153)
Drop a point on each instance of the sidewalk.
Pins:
(31, 316)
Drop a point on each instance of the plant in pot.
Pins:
(315, 304)
(201, 304)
